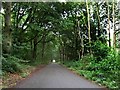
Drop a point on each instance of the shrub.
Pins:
(11, 64)
(100, 50)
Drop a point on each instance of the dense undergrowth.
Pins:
(13, 64)
(19, 68)
(105, 72)
(103, 66)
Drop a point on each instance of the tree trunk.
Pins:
(109, 42)
(75, 52)
(89, 37)
(31, 44)
(114, 35)
(114, 40)
(82, 44)
(43, 47)
(59, 52)
(63, 52)
(35, 47)
(98, 17)
(7, 43)
(81, 52)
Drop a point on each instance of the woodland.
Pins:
(83, 36)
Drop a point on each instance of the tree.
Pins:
(114, 36)
(98, 17)
(88, 16)
(7, 33)
(108, 15)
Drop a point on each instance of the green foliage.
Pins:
(21, 51)
(100, 50)
(23, 75)
(42, 31)
(118, 73)
(105, 72)
(11, 64)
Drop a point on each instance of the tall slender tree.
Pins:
(88, 17)
(114, 36)
(98, 17)
(108, 15)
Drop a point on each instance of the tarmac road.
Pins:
(56, 76)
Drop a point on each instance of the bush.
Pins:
(100, 50)
(105, 72)
(11, 64)
(118, 73)
(21, 51)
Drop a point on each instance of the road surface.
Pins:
(56, 76)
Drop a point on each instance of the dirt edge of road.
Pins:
(16, 79)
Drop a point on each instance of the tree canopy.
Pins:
(64, 31)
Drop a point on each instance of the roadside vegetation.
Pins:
(14, 70)
(103, 66)
(83, 35)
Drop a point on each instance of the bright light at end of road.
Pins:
(53, 61)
